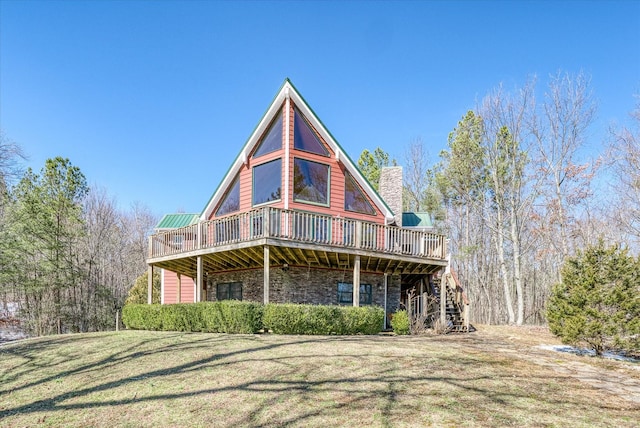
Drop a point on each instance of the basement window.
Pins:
(345, 293)
(229, 291)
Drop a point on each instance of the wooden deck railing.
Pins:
(297, 226)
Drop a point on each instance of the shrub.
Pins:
(232, 316)
(597, 303)
(142, 317)
(400, 322)
(138, 293)
(214, 317)
(322, 319)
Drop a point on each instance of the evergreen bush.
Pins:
(400, 322)
(598, 301)
(214, 317)
(322, 319)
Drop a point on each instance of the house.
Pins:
(293, 220)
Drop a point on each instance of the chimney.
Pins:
(390, 188)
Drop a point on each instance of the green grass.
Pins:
(140, 378)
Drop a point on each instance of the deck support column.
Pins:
(179, 293)
(443, 300)
(356, 282)
(150, 284)
(266, 274)
(198, 294)
(386, 286)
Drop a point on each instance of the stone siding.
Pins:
(305, 285)
(390, 189)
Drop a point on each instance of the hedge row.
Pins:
(213, 317)
(316, 319)
(232, 316)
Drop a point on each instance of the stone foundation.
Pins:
(305, 285)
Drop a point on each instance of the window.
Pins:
(267, 182)
(272, 139)
(345, 293)
(231, 201)
(310, 182)
(304, 138)
(354, 198)
(229, 291)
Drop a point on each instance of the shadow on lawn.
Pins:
(386, 390)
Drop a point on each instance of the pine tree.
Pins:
(138, 293)
(598, 301)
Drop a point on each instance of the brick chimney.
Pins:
(390, 188)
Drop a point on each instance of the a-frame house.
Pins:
(294, 221)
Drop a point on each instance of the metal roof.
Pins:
(174, 221)
(416, 219)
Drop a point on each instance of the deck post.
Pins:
(179, 294)
(356, 282)
(386, 285)
(198, 294)
(266, 274)
(443, 300)
(150, 284)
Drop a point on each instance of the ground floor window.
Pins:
(345, 293)
(229, 291)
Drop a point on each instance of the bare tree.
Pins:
(505, 118)
(415, 176)
(560, 132)
(624, 153)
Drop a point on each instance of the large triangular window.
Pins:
(304, 138)
(231, 201)
(354, 199)
(272, 139)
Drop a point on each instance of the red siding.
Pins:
(171, 287)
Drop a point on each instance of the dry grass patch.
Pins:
(137, 378)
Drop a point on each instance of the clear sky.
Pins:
(153, 100)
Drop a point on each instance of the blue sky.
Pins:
(153, 100)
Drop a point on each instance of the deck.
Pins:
(295, 238)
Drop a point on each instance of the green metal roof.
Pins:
(419, 219)
(174, 221)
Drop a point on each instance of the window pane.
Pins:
(345, 293)
(235, 291)
(310, 182)
(304, 138)
(354, 198)
(267, 179)
(365, 294)
(229, 291)
(231, 201)
(272, 139)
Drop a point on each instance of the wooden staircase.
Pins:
(454, 309)
(450, 314)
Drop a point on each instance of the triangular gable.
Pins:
(288, 90)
